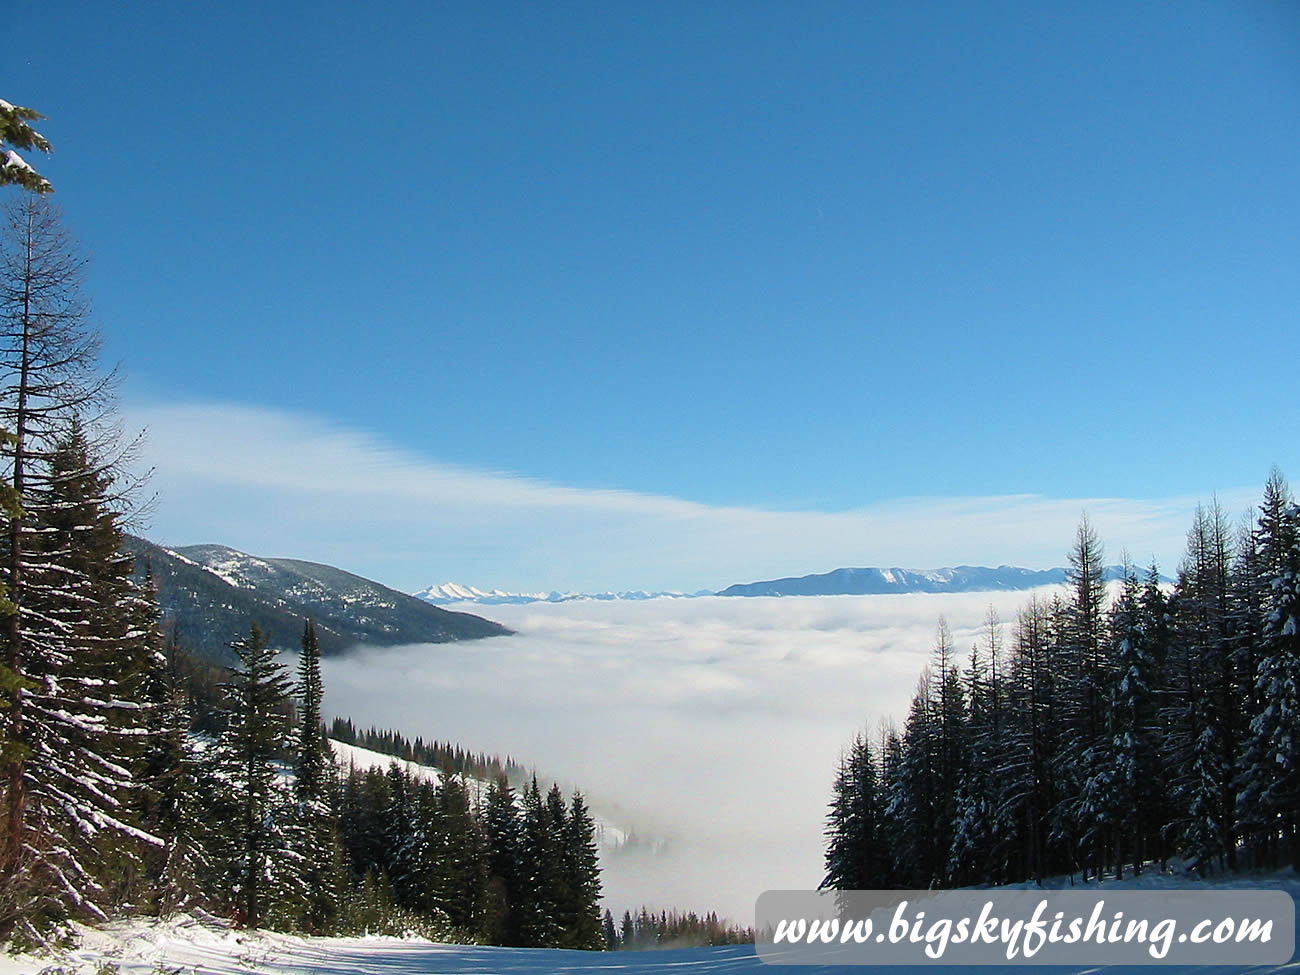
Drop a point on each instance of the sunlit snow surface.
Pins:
(189, 947)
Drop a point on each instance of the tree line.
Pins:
(133, 779)
(644, 930)
(1108, 733)
(447, 756)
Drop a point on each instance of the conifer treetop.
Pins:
(17, 133)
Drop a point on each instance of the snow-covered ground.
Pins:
(361, 759)
(608, 835)
(184, 946)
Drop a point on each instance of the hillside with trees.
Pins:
(208, 592)
(1107, 733)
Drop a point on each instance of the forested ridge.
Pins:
(137, 777)
(1105, 733)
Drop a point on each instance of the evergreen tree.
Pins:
(501, 924)
(315, 785)
(536, 900)
(463, 856)
(981, 831)
(1269, 784)
(581, 867)
(17, 133)
(856, 857)
(261, 869)
(1202, 713)
(1132, 801)
(88, 641)
(50, 396)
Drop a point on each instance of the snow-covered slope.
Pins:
(353, 756)
(609, 836)
(182, 944)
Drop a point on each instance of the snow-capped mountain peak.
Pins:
(452, 592)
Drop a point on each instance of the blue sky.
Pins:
(743, 256)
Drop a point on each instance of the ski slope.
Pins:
(186, 946)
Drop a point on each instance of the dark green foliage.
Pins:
(579, 912)
(1111, 737)
(857, 857)
(648, 931)
(88, 644)
(445, 756)
(16, 132)
(261, 869)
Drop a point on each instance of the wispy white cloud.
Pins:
(281, 483)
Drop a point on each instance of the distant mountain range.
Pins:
(211, 593)
(451, 592)
(840, 582)
(872, 581)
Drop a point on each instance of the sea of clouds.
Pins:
(710, 727)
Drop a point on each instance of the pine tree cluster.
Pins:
(1110, 734)
(506, 870)
(135, 780)
(647, 931)
(446, 756)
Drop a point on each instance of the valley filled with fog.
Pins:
(710, 727)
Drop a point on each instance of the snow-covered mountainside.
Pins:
(211, 593)
(451, 592)
(875, 581)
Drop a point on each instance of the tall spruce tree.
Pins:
(581, 867)
(88, 641)
(502, 896)
(261, 869)
(50, 388)
(856, 855)
(1268, 802)
(315, 786)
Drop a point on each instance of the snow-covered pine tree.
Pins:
(174, 782)
(920, 853)
(857, 857)
(261, 869)
(980, 830)
(1268, 802)
(1201, 712)
(1081, 819)
(1133, 799)
(1027, 767)
(951, 756)
(49, 387)
(16, 133)
(86, 639)
(315, 788)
